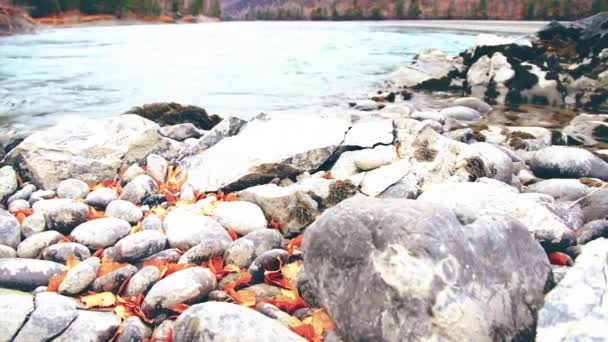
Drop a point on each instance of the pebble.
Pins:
(142, 281)
(17, 205)
(40, 195)
(72, 188)
(23, 194)
(241, 217)
(32, 247)
(138, 189)
(101, 233)
(157, 167)
(10, 232)
(100, 198)
(80, 277)
(135, 247)
(61, 251)
(63, 214)
(124, 210)
(27, 273)
(112, 281)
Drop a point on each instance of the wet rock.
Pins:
(185, 230)
(171, 113)
(186, 286)
(430, 70)
(100, 198)
(61, 251)
(291, 208)
(475, 103)
(32, 247)
(204, 251)
(27, 273)
(157, 167)
(271, 260)
(398, 244)
(53, 314)
(535, 212)
(228, 322)
(488, 76)
(7, 252)
(140, 245)
(8, 182)
(369, 132)
(80, 277)
(23, 194)
(40, 195)
(228, 127)
(112, 281)
(89, 150)
(568, 162)
(592, 230)
(16, 307)
(142, 281)
(101, 233)
(10, 234)
(72, 188)
(588, 129)
(62, 215)
(17, 205)
(134, 329)
(151, 222)
(240, 216)
(568, 316)
(138, 189)
(180, 132)
(124, 210)
(94, 326)
(255, 157)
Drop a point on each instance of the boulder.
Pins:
(8, 182)
(255, 156)
(588, 129)
(535, 212)
(171, 113)
(91, 326)
(376, 181)
(369, 132)
(568, 162)
(228, 127)
(435, 273)
(180, 132)
(27, 273)
(430, 70)
(101, 233)
(53, 314)
(185, 230)
(16, 306)
(229, 322)
(88, 150)
(576, 309)
(186, 286)
(488, 76)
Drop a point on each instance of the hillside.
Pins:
(410, 9)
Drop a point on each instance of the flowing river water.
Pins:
(232, 68)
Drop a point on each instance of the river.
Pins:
(231, 68)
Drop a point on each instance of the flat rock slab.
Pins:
(88, 150)
(53, 314)
(403, 270)
(577, 309)
(265, 149)
(218, 321)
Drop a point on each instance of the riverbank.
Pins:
(167, 223)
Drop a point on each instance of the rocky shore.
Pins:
(391, 222)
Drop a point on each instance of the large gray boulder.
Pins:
(254, 155)
(577, 310)
(403, 270)
(88, 150)
(224, 322)
(535, 211)
(53, 314)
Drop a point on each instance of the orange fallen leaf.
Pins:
(244, 278)
(71, 261)
(99, 252)
(231, 197)
(288, 300)
(274, 225)
(294, 245)
(65, 239)
(99, 300)
(232, 234)
(179, 308)
(216, 266)
(54, 282)
(245, 297)
(322, 322)
(21, 214)
(172, 268)
(305, 330)
(136, 228)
